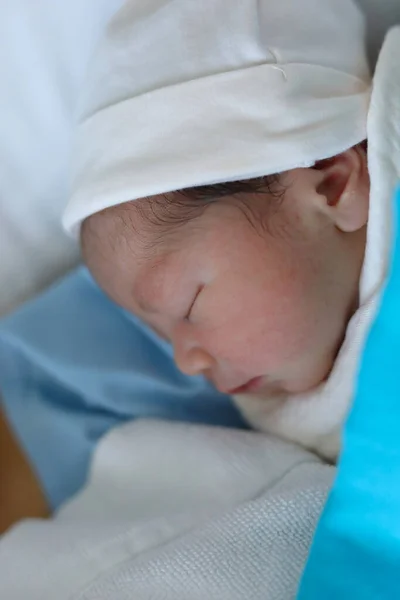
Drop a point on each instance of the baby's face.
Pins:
(256, 309)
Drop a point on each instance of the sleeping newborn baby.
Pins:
(222, 194)
(253, 282)
(224, 205)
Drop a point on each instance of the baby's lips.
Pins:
(252, 386)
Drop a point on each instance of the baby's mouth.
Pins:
(251, 387)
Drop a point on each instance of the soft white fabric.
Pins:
(186, 93)
(45, 47)
(315, 419)
(175, 512)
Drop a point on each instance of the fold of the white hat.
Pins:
(184, 93)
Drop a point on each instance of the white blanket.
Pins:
(175, 512)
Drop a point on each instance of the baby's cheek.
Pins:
(281, 325)
(268, 334)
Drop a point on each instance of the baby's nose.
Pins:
(193, 361)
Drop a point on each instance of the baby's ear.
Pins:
(343, 189)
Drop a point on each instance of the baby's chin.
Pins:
(306, 386)
(267, 400)
(261, 387)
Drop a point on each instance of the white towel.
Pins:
(176, 512)
(188, 93)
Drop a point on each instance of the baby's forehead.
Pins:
(141, 230)
(148, 227)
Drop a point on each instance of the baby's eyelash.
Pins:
(187, 316)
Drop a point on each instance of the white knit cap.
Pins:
(192, 92)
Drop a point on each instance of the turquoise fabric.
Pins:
(356, 551)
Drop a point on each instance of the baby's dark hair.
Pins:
(185, 205)
(163, 214)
